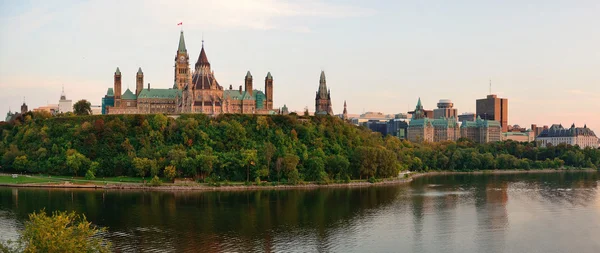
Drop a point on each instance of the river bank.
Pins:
(238, 187)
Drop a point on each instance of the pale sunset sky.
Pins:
(544, 56)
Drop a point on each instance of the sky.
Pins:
(544, 56)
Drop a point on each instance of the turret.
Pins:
(248, 83)
(139, 82)
(117, 87)
(269, 91)
(345, 114)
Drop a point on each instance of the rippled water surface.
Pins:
(538, 212)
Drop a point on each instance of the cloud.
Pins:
(253, 14)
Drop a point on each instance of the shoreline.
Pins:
(307, 186)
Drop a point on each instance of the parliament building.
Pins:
(196, 91)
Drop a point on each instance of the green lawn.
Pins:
(22, 180)
(101, 179)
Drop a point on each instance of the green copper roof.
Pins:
(181, 48)
(248, 75)
(140, 71)
(448, 122)
(480, 123)
(269, 77)
(160, 93)
(128, 95)
(420, 122)
(419, 103)
(110, 92)
(117, 72)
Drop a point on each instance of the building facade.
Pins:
(64, 105)
(195, 91)
(424, 129)
(467, 116)
(323, 98)
(494, 108)
(557, 134)
(481, 130)
(445, 109)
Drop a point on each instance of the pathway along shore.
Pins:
(197, 187)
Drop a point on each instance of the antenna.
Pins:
(202, 39)
(490, 86)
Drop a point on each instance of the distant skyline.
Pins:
(377, 55)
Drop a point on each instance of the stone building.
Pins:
(557, 134)
(323, 98)
(424, 129)
(481, 130)
(423, 113)
(195, 91)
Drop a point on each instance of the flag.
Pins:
(180, 23)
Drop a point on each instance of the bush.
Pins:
(61, 232)
(155, 181)
(89, 175)
(294, 177)
(257, 180)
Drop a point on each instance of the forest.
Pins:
(277, 148)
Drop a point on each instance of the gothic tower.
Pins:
(345, 114)
(269, 91)
(182, 65)
(117, 87)
(323, 99)
(139, 82)
(248, 83)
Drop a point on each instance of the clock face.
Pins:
(182, 59)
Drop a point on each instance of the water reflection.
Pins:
(450, 213)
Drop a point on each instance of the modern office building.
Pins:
(445, 109)
(481, 130)
(494, 108)
(393, 127)
(557, 134)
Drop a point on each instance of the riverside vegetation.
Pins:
(280, 148)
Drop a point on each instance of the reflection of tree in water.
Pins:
(211, 221)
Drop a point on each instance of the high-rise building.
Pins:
(494, 108)
(323, 99)
(445, 109)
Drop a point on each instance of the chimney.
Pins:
(240, 89)
(230, 87)
(148, 86)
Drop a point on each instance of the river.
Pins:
(536, 212)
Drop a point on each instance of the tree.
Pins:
(82, 107)
(76, 161)
(143, 165)
(170, 172)
(21, 163)
(249, 158)
(61, 232)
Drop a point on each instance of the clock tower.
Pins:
(182, 65)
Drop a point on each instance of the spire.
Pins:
(202, 59)
(269, 77)
(62, 94)
(181, 48)
(248, 75)
(140, 71)
(118, 72)
(419, 106)
(322, 93)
